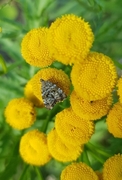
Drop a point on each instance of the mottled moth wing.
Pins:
(51, 94)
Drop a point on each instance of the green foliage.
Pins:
(17, 17)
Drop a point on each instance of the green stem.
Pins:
(119, 65)
(96, 149)
(85, 157)
(97, 157)
(45, 124)
(3, 64)
(50, 115)
(38, 172)
(24, 172)
(11, 67)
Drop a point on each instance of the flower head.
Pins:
(119, 91)
(90, 110)
(33, 148)
(70, 39)
(20, 113)
(73, 129)
(113, 168)
(55, 76)
(114, 120)
(28, 91)
(61, 151)
(95, 78)
(78, 171)
(34, 48)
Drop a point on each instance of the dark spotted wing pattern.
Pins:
(51, 94)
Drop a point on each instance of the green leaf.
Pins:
(3, 64)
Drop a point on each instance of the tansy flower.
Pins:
(73, 129)
(113, 168)
(55, 76)
(61, 151)
(33, 148)
(78, 171)
(95, 78)
(70, 39)
(90, 110)
(28, 92)
(34, 48)
(20, 113)
(119, 91)
(114, 120)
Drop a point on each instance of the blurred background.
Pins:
(17, 17)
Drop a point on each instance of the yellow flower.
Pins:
(95, 78)
(113, 168)
(33, 148)
(34, 48)
(61, 151)
(114, 120)
(73, 129)
(119, 91)
(78, 171)
(55, 76)
(90, 110)
(70, 39)
(20, 113)
(28, 92)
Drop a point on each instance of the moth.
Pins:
(51, 93)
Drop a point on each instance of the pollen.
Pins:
(113, 168)
(73, 129)
(78, 171)
(90, 110)
(20, 113)
(70, 39)
(33, 148)
(95, 78)
(61, 151)
(34, 48)
(114, 120)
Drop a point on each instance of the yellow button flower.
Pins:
(55, 76)
(90, 110)
(61, 151)
(119, 91)
(78, 171)
(70, 39)
(33, 148)
(113, 168)
(95, 78)
(28, 92)
(114, 120)
(20, 113)
(34, 48)
(73, 129)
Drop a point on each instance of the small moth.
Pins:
(51, 94)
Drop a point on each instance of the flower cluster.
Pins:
(88, 89)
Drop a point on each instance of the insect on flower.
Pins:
(51, 94)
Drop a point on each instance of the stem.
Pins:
(96, 149)
(50, 115)
(14, 65)
(24, 172)
(38, 173)
(97, 157)
(85, 157)
(3, 64)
